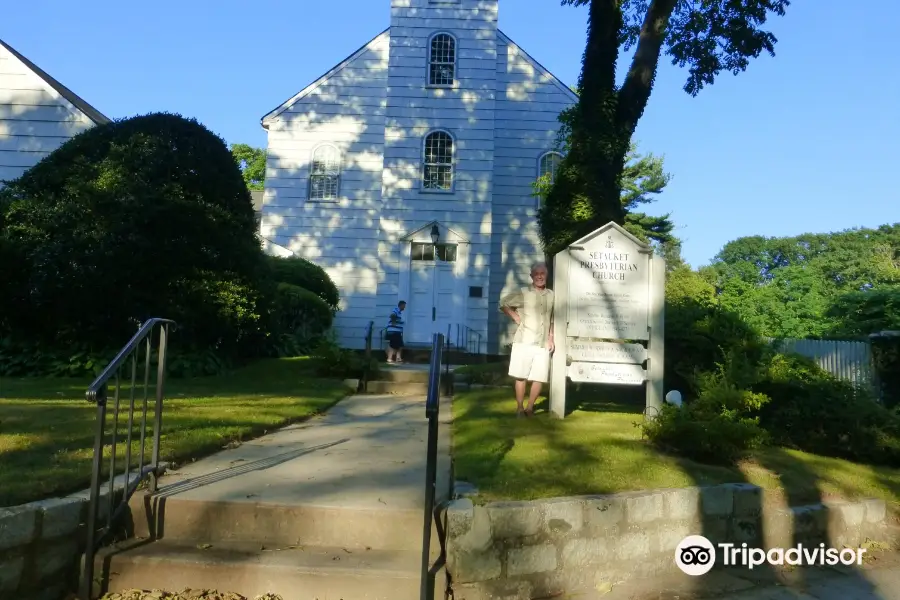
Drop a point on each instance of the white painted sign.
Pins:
(608, 287)
(607, 373)
(606, 352)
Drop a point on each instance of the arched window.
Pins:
(325, 174)
(438, 167)
(442, 60)
(548, 164)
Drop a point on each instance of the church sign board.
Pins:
(609, 290)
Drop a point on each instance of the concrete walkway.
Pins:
(367, 452)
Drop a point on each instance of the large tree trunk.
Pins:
(600, 138)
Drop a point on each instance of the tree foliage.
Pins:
(252, 163)
(643, 179)
(812, 285)
(138, 218)
(706, 36)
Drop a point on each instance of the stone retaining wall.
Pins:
(41, 544)
(524, 550)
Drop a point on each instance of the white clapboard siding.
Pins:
(527, 123)
(35, 119)
(345, 109)
(849, 360)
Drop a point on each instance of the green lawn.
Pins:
(47, 427)
(598, 449)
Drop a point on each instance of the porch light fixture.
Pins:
(435, 234)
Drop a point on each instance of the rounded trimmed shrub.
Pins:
(305, 274)
(138, 218)
(301, 315)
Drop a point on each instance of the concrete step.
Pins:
(180, 520)
(294, 572)
(380, 386)
(399, 374)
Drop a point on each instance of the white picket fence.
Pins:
(846, 359)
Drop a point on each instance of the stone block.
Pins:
(11, 574)
(604, 514)
(477, 538)
(53, 559)
(717, 500)
(529, 560)
(460, 515)
(875, 510)
(514, 519)
(577, 554)
(473, 567)
(492, 590)
(104, 504)
(848, 514)
(655, 566)
(682, 504)
(461, 489)
(778, 528)
(547, 585)
(745, 529)
(18, 526)
(670, 535)
(748, 500)
(644, 507)
(60, 516)
(633, 546)
(715, 529)
(810, 524)
(563, 516)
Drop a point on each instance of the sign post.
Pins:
(610, 295)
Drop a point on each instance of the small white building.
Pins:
(37, 114)
(438, 125)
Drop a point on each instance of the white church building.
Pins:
(406, 171)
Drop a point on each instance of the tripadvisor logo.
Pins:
(696, 555)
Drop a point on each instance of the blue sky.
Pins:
(803, 142)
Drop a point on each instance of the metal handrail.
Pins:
(97, 394)
(367, 367)
(432, 410)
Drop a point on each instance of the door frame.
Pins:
(460, 267)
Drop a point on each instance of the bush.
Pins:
(21, 359)
(700, 334)
(330, 360)
(144, 217)
(302, 273)
(302, 318)
(814, 411)
(886, 356)
(715, 428)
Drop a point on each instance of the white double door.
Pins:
(432, 307)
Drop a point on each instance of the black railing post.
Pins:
(87, 578)
(432, 410)
(364, 386)
(157, 416)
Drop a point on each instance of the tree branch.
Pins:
(635, 92)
